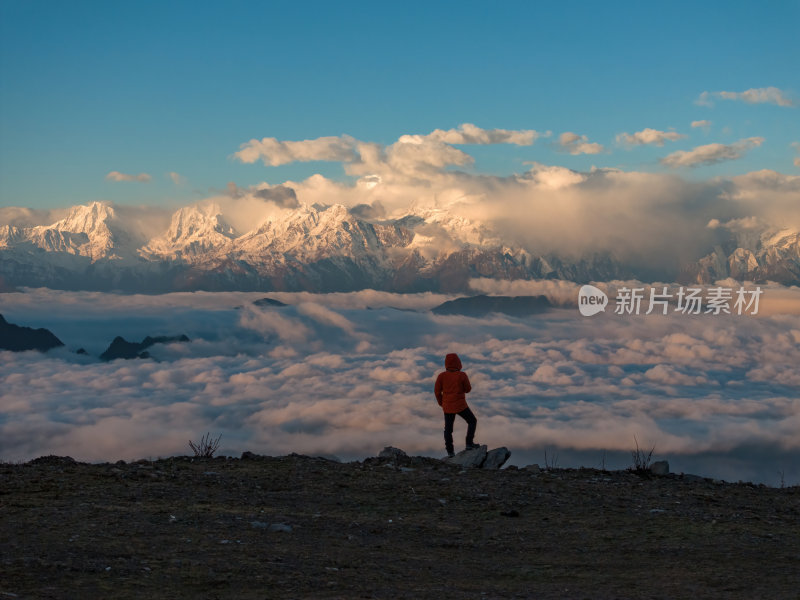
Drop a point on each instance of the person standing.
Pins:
(451, 389)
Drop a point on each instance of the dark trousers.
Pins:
(449, 421)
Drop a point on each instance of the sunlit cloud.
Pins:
(117, 176)
(711, 153)
(649, 137)
(434, 149)
(176, 178)
(767, 95)
(703, 124)
(470, 134)
(578, 144)
(273, 152)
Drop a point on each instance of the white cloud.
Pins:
(578, 144)
(412, 153)
(270, 322)
(18, 216)
(771, 95)
(767, 95)
(409, 152)
(704, 99)
(176, 178)
(117, 176)
(769, 196)
(557, 291)
(649, 136)
(274, 152)
(326, 316)
(711, 153)
(470, 134)
(704, 124)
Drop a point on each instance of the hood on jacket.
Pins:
(452, 362)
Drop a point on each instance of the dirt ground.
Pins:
(300, 527)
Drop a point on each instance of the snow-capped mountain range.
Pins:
(324, 248)
(772, 254)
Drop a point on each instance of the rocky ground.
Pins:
(394, 527)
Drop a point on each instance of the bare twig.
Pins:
(551, 462)
(641, 458)
(206, 447)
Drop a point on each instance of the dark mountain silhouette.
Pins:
(480, 306)
(269, 302)
(121, 348)
(18, 339)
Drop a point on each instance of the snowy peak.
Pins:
(194, 231)
(10, 235)
(317, 232)
(92, 220)
(754, 255)
(195, 222)
(93, 225)
(90, 231)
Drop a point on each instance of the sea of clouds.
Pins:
(347, 374)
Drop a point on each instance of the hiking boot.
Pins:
(472, 446)
(450, 454)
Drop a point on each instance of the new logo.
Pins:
(591, 300)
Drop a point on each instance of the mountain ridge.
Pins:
(324, 248)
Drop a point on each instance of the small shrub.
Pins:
(206, 447)
(551, 462)
(641, 457)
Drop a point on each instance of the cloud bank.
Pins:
(549, 208)
(347, 374)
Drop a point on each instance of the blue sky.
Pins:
(92, 88)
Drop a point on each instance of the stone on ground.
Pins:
(473, 458)
(496, 458)
(660, 467)
(392, 452)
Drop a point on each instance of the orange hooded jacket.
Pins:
(452, 386)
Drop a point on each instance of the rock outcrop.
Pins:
(270, 302)
(18, 339)
(121, 348)
(480, 306)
